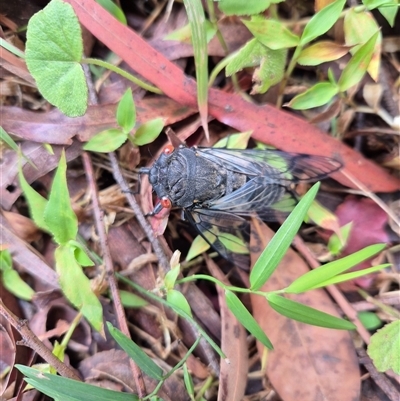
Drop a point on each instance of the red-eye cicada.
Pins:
(218, 189)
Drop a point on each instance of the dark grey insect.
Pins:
(218, 189)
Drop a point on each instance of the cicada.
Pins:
(218, 189)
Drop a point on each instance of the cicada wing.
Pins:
(270, 201)
(226, 232)
(277, 165)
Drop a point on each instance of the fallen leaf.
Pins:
(307, 362)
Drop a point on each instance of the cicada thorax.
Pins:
(188, 180)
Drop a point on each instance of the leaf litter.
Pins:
(306, 360)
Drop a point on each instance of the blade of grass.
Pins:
(197, 20)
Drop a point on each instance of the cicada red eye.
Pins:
(168, 149)
(166, 203)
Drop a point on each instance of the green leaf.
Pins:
(372, 4)
(336, 243)
(277, 247)
(271, 33)
(187, 379)
(250, 55)
(126, 112)
(61, 388)
(37, 204)
(246, 319)
(313, 278)
(5, 260)
(358, 28)
(12, 280)
(180, 312)
(270, 72)
(389, 13)
(340, 278)
(233, 243)
(106, 141)
(197, 247)
(76, 286)
(384, 348)
(234, 141)
(240, 7)
(358, 65)
(370, 320)
(177, 299)
(141, 359)
(130, 300)
(148, 132)
(323, 217)
(318, 95)
(58, 213)
(321, 22)
(114, 10)
(184, 34)
(171, 276)
(305, 314)
(11, 48)
(322, 52)
(14, 284)
(80, 255)
(4, 137)
(54, 50)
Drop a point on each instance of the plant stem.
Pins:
(125, 74)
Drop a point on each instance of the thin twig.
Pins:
(30, 340)
(119, 309)
(379, 378)
(98, 216)
(138, 213)
(372, 196)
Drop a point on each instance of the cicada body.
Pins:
(218, 189)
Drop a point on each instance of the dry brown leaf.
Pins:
(233, 376)
(307, 363)
(22, 226)
(111, 369)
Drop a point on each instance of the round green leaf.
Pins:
(384, 348)
(54, 50)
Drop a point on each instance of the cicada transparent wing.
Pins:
(269, 201)
(227, 233)
(279, 166)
